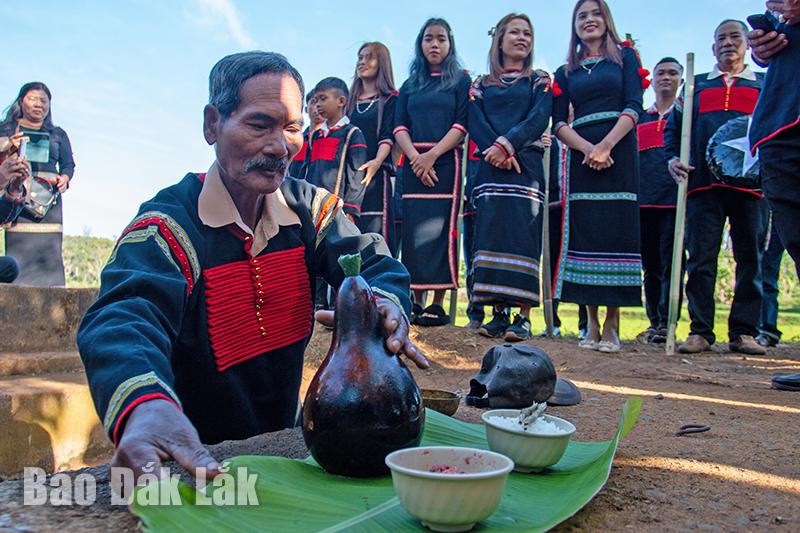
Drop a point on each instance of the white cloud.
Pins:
(224, 11)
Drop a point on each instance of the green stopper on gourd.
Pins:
(351, 265)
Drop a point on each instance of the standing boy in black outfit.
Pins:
(338, 148)
(337, 151)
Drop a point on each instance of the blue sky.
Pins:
(129, 78)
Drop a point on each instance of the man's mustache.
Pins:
(268, 164)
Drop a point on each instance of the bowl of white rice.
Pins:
(532, 448)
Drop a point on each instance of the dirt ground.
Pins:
(743, 475)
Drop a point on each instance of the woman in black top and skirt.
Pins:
(509, 111)
(430, 126)
(33, 241)
(600, 261)
(371, 108)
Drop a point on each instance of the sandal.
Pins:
(587, 344)
(608, 347)
(433, 316)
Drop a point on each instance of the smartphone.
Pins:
(763, 22)
(23, 148)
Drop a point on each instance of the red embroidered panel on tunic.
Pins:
(246, 320)
(651, 135)
(301, 155)
(740, 99)
(325, 149)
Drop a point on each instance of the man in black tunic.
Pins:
(728, 92)
(776, 133)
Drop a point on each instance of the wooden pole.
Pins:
(547, 276)
(680, 212)
(459, 226)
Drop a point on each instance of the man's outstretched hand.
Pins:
(395, 329)
(157, 431)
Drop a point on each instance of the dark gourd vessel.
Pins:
(363, 402)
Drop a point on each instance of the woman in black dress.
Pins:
(430, 126)
(600, 262)
(371, 108)
(509, 111)
(35, 242)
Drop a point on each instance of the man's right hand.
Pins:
(765, 46)
(157, 431)
(12, 170)
(679, 171)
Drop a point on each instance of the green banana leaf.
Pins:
(298, 496)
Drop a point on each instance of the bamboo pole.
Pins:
(547, 279)
(459, 226)
(680, 212)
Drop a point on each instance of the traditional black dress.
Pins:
(600, 261)
(375, 119)
(508, 216)
(36, 244)
(430, 213)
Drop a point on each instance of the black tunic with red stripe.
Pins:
(375, 118)
(430, 214)
(657, 189)
(324, 166)
(779, 109)
(715, 103)
(297, 169)
(187, 314)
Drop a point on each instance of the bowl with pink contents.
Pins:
(449, 488)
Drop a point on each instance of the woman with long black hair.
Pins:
(509, 111)
(371, 107)
(35, 240)
(430, 126)
(600, 262)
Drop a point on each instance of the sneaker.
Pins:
(556, 333)
(582, 333)
(646, 337)
(520, 330)
(747, 345)
(695, 344)
(473, 325)
(496, 327)
(660, 336)
(766, 340)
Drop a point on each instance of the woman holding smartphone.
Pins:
(600, 262)
(35, 240)
(371, 108)
(430, 126)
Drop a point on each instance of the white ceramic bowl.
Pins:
(449, 502)
(531, 452)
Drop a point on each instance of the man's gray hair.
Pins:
(231, 72)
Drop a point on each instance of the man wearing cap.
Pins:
(728, 92)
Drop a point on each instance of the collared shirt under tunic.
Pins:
(198, 309)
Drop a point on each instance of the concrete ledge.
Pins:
(16, 364)
(49, 422)
(39, 319)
